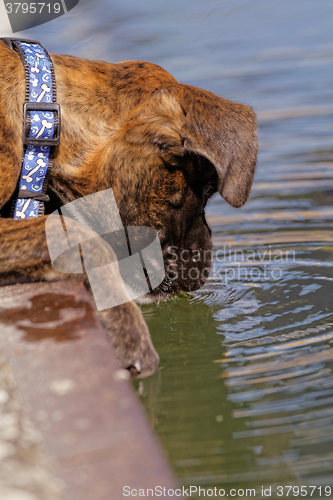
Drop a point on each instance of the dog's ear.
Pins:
(225, 133)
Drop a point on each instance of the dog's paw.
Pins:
(131, 339)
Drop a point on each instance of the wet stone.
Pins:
(71, 427)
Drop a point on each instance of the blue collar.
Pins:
(41, 129)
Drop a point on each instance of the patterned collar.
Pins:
(41, 129)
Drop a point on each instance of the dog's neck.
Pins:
(106, 109)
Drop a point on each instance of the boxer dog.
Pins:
(163, 147)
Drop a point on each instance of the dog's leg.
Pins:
(24, 257)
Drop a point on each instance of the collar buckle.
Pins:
(41, 106)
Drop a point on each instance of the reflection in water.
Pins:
(261, 410)
(244, 394)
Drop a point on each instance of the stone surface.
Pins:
(23, 472)
(93, 437)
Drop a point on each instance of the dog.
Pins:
(163, 147)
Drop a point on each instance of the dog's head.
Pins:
(165, 148)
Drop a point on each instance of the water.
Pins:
(243, 397)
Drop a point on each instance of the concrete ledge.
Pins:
(95, 436)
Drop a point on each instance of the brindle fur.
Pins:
(163, 147)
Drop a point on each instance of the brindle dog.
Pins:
(163, 147)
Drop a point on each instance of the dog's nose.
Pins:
(135, 369)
